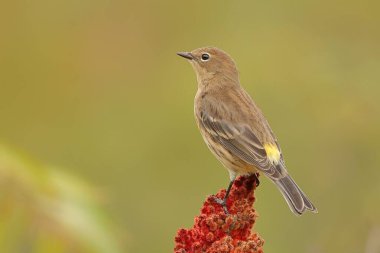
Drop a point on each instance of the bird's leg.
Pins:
(223, 202)
(228, 191)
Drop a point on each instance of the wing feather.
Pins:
(241, 141)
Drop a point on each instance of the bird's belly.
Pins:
(229, 160)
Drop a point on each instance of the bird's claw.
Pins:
(223, 203)
(257, 181)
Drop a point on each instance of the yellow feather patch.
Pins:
(273, 153)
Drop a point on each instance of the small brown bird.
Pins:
(235, 129)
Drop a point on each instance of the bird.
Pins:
(235, 129)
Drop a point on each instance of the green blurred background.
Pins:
(95, 88)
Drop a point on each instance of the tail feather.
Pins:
(294, 196)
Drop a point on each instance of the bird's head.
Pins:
(209, 62)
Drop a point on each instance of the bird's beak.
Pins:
(186, 55)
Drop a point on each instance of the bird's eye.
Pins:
(205, 57)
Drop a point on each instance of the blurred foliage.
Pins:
(42, 209)
(95, 86)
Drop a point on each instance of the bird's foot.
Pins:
(223, 203)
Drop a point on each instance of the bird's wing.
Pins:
(241, 141)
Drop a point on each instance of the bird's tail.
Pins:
(296, 199)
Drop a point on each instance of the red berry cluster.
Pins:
(214, 231)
